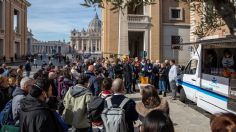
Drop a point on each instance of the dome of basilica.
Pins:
(95, 25)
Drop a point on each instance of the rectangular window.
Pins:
(1, 14)
(175, 13)
(175, 40)
(16, 23)
(191, 67)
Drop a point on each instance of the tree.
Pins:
(117, 4)
(214, 13)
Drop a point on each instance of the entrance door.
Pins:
(136, 43)
(1, 48)
(17, 50)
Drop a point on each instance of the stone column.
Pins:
(99, 45)
(82, 41)
(123, 47)
(96, 46)
(91, 45)
(146, 42)
(86, 44)
(77, 42)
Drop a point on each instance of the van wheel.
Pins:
(182, 96)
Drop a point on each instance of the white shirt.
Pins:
(173, 73)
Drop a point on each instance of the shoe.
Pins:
(164, 94)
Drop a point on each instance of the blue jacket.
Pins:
(93, 83)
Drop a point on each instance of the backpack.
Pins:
(6, 117)
(114, 118)
(95, 108)
(63, 87)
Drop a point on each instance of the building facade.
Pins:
(49, 47)
(13, 28)
(153, 28)
(87, 42)
(30, 38)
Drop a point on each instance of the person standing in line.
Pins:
(167, 65)
(6, 70)
(27, 68)
(35, 62)
(36, 114)
(157, 121)
(172, 78)
(127, 76)
(155, 76)
(93, 81)
(19, 94)
(162, 79)
(20, 71)
(76, 103)
(117, 99)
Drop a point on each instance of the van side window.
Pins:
(191, 67)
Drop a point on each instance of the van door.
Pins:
(191, 80)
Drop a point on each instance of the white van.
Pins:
(209, 79)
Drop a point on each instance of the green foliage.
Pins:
(214, 14)
(117, 5)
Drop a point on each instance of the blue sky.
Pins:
(54, 19)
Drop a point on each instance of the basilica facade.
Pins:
(87, 42)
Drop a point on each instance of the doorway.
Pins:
(1, 48)
(17, 50)
(136, 43)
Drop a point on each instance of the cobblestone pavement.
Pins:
(185, 118)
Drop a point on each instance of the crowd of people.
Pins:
(89, 95)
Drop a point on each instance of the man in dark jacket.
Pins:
(128, 76)
(118, 69)
(131, 114)
(93, 82)
(35, 114)
(28, 68)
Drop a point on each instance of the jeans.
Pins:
(128, 86)
(173, 87)
(162, 86)
(27, 73)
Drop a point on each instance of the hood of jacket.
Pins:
(18, 91)
(143, 111)
(31, 104)
(78, 90)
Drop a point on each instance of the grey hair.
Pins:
(24, 81)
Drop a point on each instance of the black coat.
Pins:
(128, 73)
(35, 116)
(163, 74)
(118, 69)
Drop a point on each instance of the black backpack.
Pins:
(95, 108)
